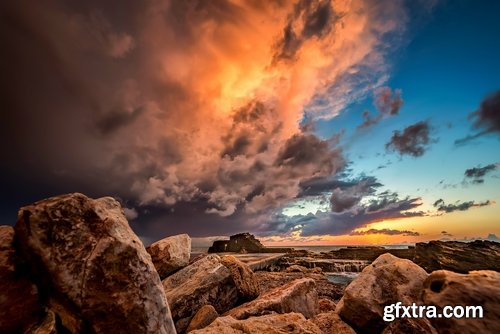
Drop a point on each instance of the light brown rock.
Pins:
(326, 305)
(330, 323)
(20, 306)
(243, 278)
(478, 288)
(386, 281)
(410, 326)
(297, 296)
(95, 270)
(269, 324)
(295, 268)
(170, 254)
(204, 317)
(206, 281)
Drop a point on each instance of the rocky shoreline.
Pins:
(72, 264)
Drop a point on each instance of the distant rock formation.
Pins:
(243, 243)
(460, 257)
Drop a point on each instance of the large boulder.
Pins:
(204, 317)
(206, 281)
(269, 324)
(94, 270)
(460, 257)
(243, 278)
(20, 307)
(386, 281)
(297, 296)
(330, 323)
(478, 288)
(170, 254)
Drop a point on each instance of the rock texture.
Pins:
(170, 254)
(269, 324)
(204, 317)
(478, 288)
(410, 326)
(93, 268)
(268, 281)
(20, 306)
(243, 278)
(330, 323)
(206, 281)
(460, 257)
(387, 280)
(297, 296)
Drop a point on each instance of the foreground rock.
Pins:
(204, 317)
(268, 281)
(410, 326)
(387, 280)
(460, 257)
(330, 323)
(94, 270)
(170, 254)
(243, 278)
(479, 288)
(269, 324)
(297, 296)
(206, 281)
(20, 307)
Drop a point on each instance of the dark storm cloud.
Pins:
(486, 118)
(387, 102)
(316, 19)
(333, 223)
(477, 173)
(412, 141)
(387, 232)
(464, 206)
(116, 119)
(343, 199)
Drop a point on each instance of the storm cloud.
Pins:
(156, 103)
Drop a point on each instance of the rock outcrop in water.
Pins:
(460, 257)
(243, 243)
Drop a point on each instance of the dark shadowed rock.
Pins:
(206, 281)
(330, 323)
(170, 254)
(410, 326)
(204, 317)
(387, 280)
(47, 326)
(20, 306)
(460, 257)
(478, 288)
(297, 296)
(94, 270)
(269, 324)
(243, 278)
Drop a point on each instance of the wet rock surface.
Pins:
(170, 254)
(478, 288)
(460, 257)
(94, 270)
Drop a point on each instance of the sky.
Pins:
(303, 122)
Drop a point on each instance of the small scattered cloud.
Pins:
(387, 101)
(486, 119)
(459, 206)
(387, 232)
(130, 213)
(413, 141)
(477, 174)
